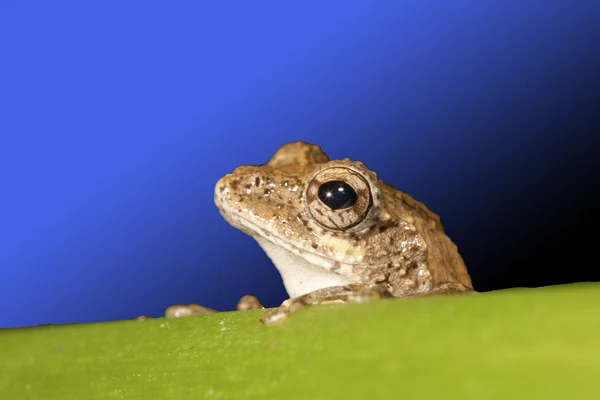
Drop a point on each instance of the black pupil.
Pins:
(337, 195)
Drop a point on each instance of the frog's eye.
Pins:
(337, 195)
(338, 198)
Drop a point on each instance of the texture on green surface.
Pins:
(519, 343)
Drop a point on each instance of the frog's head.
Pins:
(300, 182)
(322, 222)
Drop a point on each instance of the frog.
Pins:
(338, 234)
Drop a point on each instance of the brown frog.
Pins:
(336, 233)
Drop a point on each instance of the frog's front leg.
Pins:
(353, 293)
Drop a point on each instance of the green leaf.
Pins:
(518, 343)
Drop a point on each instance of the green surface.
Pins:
(519, 343)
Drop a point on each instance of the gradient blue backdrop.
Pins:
(117, 118)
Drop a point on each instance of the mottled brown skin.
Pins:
(386, 245)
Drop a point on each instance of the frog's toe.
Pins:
(248, 302)
(274, 316)
(186, 310)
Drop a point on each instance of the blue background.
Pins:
(117, 118)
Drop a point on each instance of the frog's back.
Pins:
(444, 261)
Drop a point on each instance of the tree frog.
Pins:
(336, 233)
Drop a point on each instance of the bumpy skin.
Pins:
(387, 245)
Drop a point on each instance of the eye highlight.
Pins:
(337, 195)
(339, 198)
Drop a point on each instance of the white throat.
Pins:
(300, 276)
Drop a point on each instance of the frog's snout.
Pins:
(237, 183)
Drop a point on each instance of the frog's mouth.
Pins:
(257, 231)
(262, 235)
(302, 271)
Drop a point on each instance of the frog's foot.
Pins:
(355, 293)
(248, 302)
(186, 310)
